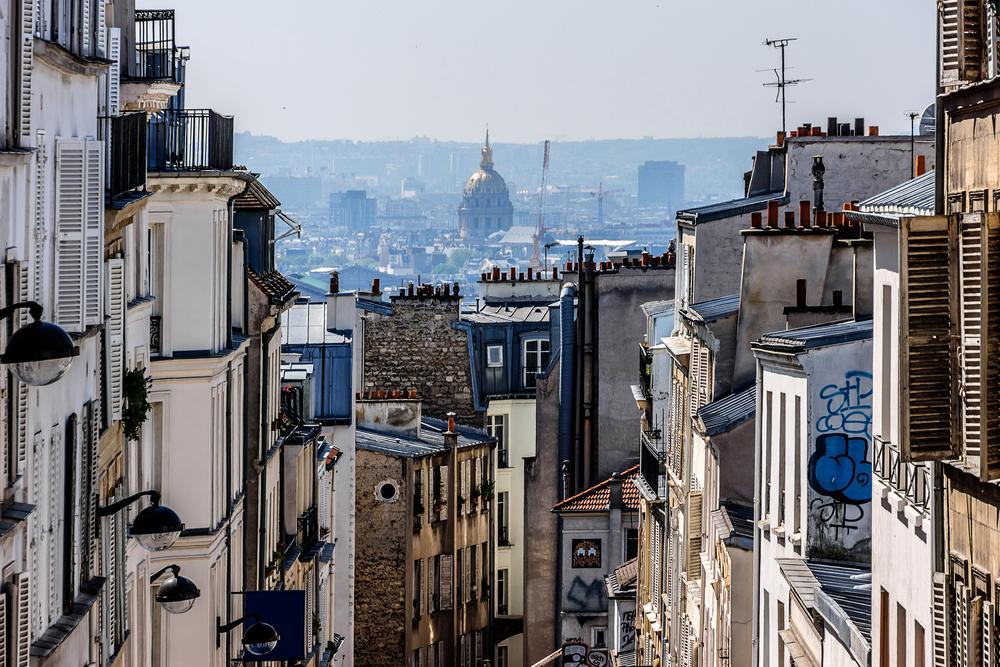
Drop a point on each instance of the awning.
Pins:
(795, 651)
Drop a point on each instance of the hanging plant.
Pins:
(135, 403)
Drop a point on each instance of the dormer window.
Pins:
(494, 356)
(536, 359)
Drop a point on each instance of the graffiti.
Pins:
(586, 553)
(586, 597)
(839, 468)
(626, 630)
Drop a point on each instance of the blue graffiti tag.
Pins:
(838, 468)
(848, 405)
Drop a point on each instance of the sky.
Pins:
(551, 69)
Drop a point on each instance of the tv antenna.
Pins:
(782, 82)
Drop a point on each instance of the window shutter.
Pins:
(973, 293)
(975, 636)
(23, 620)
(694, 375)
(41, 219)
(961, 625)
(27, 61)
(86, 26)
(988, 656)
(930, 317)
(112, 573)
(694, 535)
(971, 42)
(52, 554)
(445, 595)
(992, 41)
(102, 30)
(3, 629)
(115, 72)
(71, 196)
(990, 317)
(115, 328)
(94, 234)
(445, 485)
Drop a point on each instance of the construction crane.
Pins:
(540, 229)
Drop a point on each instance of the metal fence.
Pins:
(910, 480)
(155, 48)
(124, 140)
(190, 140)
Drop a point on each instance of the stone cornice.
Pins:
(57, 56)
(147, 95)
(211, 184)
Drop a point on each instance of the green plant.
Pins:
(135, 402)
(316, 626)
(486, 489)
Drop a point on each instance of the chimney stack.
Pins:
(832, 127)
(376, 285)
(800, 293)
(921, 165)
(805, 213)
(859, 127)
(334, 282)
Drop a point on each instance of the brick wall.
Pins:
(417, 347)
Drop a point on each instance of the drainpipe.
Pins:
(754, 644)
(939, 152)
(567, 376)
(577, 467)
(229, 502)
(264, 435)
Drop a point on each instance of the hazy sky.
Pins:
(558, 69)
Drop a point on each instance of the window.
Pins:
(503, 581)
(472, 573)
(503, 658)
(496, 426)
(918, 645)
(599, 636)
(536, 359)
(418, 586)
(494, 356)
(503, 518)
(900, 636)
(418, 491)
(631, 547)
(782, 428)
(769, 425)
(883, 628)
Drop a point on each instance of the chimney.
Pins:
(780, 139)
(755, 220)
(859, 127)
(615, 501)
(772, 214)
(832, 127)
(496, 273)
(805, 213)
(789, 219)
(800, 293)
(334, 282)
(838, 298)
(555, 273)
(396, 411)
(921, 165)
(513, 273)
(821, 218)
(531, 273)
(873, 130)
(376, 286)
(818, 173)
(451, 435)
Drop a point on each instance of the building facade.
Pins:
(486, 206)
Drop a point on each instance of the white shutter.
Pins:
(973, 360)
(115, 330)
(94, 234)
(71, 196)
(694, 535)
(52, 554)
(961, 626)
(975, 632)
(41, 219)
(111, 561)
(86, 26)
(23, 620)
(102, 30)
(686, 277)
(27, 61)
(3, 629)
(986, 630)
(38, 524)
(115, 72)
(447, 576)
(445, 484)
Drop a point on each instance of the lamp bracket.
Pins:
(222, 629)
(34, 309)
(108, 510)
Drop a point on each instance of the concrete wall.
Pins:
(718, 256)
(417, 347)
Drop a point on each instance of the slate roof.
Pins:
(741, 518)
(305, 324)
(274, 285)
(653, 308)
(598, 497)
(849, 587)
(621, 581)
(914, 197)
(431, 440)
(507, 315)
(727, 413)
(822, 335)
(714, 309)
(519, 234)
(729, 209)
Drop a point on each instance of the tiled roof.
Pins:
(807, 338)
(276, 286)
(729, 209)
(727, 413)
(714, 309)
(598, 497)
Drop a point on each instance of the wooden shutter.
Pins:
(972, 40)
(41, 218)
(960, 624)
(4, 630)
(975, 633)
(447, 576)
(93, 276)
(694, 535)
(86, 26)
(973, 293)
(928, 351)
(22, 620)
(114, 73)
(26, 63)
(115, 331)
(71, 197)
(694, 375)
(101, 31)
(989, 459)
(986, 650)
(445, 485)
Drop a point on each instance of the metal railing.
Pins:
(190, 140)
(651, 464)
(910, 480)
(155, 47)
(503, 536)
(155, 331)
(308, 527)
(645, 370)
(124, 140)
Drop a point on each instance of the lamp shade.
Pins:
(260, 638)
(39, 353)
(177, 594)
(156, 527)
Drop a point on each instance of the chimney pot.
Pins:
(780, 138)
(838, 298)
(921, 165)
(496, 273)
(531, 273)
(513, 273)
(555, 273)
(772, 213)
(821, 218)
(451, 422)
(859, 127)
(873, 130)
(805, 212)
(334, 282)
(789, 219)
(755, 220)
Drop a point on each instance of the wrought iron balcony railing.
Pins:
(124, 140)
(645, 370)
(503, 536)
(910, 480)
(190, 140)
(155, 331)
(651, 465)
(155, 48)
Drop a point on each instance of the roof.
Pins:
(848, 586)
(256, 196)
(305, 324)
(621, 582)
(822, 335)
(507, 315)
(598, 497)
(714, 309)
(519, 234)
(727, 413)
(741, 518)
(729, 209)
(431, 440)
(913, 197)
(276, 286)
(654, 308)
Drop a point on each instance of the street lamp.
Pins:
(156, 527)
(177, 593)
(259, 639)
(39, 353)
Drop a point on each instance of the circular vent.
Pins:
(387, 491)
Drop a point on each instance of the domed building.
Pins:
(486, 206)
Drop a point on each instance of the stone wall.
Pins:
(381, 535)
(418, 348)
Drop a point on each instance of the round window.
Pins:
(387, 491)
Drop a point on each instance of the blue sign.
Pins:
(286, 611)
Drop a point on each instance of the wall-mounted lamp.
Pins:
(156, 527)
(259, 639)
(39, 353)
(177, 593)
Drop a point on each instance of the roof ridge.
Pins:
(628, 471)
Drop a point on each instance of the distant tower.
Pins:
(486, 206)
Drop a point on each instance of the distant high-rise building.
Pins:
(353, 209)
(661, 184)
(486, 206)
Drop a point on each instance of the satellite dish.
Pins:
(928, 121)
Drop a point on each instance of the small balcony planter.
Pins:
(135, 402)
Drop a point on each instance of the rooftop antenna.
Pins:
(782, 82)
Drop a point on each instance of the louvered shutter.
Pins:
(694, 535)
(446, 592)
(685, 644)
(115, 328)
(93, 445)
(38, 524)
(960, 626)
(22, 388)
(990, 346)
(86, 26)
(52, 554)
(114, 73)
(41, 217)
(22, 620)
(111, 553)
(929, 311)
(686, 278)
(71, 199)
(992, 41)
(972, 257)
(694, 375)
(94, 234)
(445, 485)
(971, 39)
(102, 30)
(975, 636)
(4, 631)
(27, 62)
(986, 650)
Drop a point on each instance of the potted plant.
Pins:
(135, 402)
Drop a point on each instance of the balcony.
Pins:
(124, 138)
(155, 47)
(308, 528)
(190, 140)
(911, 481)
(645, 370)
(155, 331)
(652, 463)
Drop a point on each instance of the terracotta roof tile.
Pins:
(598, 497)
(276, 286)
